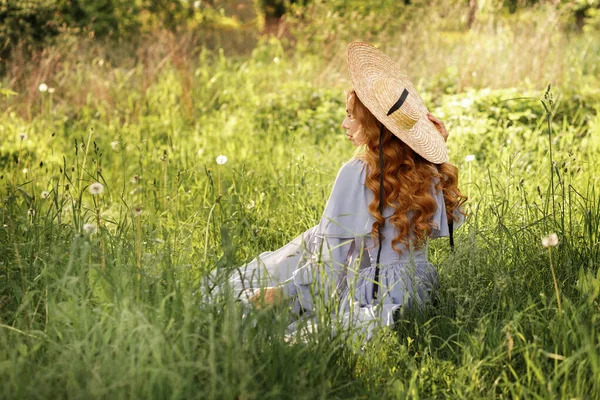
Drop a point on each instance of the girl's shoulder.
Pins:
(350, 178)
(353, 168)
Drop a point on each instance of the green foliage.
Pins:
(26, 21)
(106, 296)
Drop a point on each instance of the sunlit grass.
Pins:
(115, 208)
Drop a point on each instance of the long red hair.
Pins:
(407, 180)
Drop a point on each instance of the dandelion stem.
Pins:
(219, 179)
(554, 279)
(138, 226)
(102, 258)
(87, 146)
(207, 227)
(165, 179)
(470, 183)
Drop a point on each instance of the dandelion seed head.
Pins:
(137, 211)
(276, 60)
(31, 212)
(550, 241)
(470, 158)
(115, 145)
(45, 194)
(90, 228)
(221, 159)
(200, 152)
(25, 170)
(96, 188)
(51, 90)
(43, 87)
(22, 136)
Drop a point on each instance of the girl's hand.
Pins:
(267, 297)
(439, 126)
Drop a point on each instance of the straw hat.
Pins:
(387, 92)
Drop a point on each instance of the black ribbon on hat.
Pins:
(399, 103)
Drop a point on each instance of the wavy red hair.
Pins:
(407, 180)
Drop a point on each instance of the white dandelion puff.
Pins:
(31, 212)
(22, 136)
(25, 170)
(470, 158)
(276, 60)
(43, 87)
(550, 241)
(45, 194)
(51, 90)
(221, 159)
(96, 188)
(115, 145)
(200, 152)
(90, 228)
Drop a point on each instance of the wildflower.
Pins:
(96, 188)
(137, 211)
(31, 212)
(115, 145)
(550, 241)
(470, 158)
(135, 179)
(90, 228)
(51, 90)
(45, 194)
(221, 159)
(43, 87)
(22, 136)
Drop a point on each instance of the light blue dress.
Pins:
(333, 263)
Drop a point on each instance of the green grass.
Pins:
(122, 313)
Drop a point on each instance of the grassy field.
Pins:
(101, 295)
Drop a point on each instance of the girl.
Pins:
(367, 257)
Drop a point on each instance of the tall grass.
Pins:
(119, 311)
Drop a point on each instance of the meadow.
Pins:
(114, 209)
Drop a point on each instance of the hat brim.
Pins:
(366, 64)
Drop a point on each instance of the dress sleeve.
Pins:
(345, 220)
(440, 219)
(346, 214)
(272, 268)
